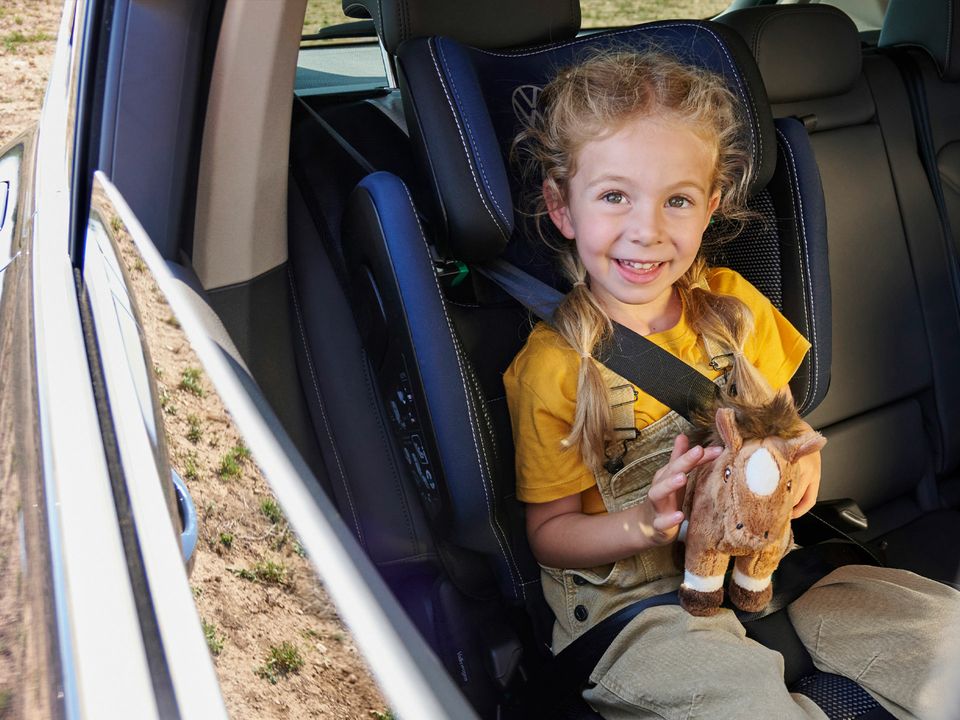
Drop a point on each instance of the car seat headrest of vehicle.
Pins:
(803, 51)
(933, 26)
(489, 24)
(465, 105)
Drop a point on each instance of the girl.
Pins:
(633, 154)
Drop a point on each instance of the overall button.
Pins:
(577, 580)
(580, 613)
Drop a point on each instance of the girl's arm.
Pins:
(561, 535)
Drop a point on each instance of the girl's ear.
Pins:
(558, 211)
(712, 205)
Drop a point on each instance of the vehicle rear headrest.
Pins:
(490, 24)
(465, 105)
(933, 25)
(803, 51)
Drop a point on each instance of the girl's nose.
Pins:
(645, 225)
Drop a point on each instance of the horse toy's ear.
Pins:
(727, 427)
(805, 444)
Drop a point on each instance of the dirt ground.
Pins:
(279, 647)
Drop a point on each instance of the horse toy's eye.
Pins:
(726, 473)
(789, 484)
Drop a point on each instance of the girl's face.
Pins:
(637, 207)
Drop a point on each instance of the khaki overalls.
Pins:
(879, 626)
(583, 597)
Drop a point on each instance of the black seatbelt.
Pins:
(657, 372)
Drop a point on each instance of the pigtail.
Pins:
(583, 324)
(724, 322)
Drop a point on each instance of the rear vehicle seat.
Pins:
(455, 557)
(892, 413)
(924, 35)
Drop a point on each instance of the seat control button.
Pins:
(577, 580)
(580, 613)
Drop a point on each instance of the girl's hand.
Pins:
(660, 515)
(807, 484)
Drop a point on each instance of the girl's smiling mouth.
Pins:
(640, 266)
(634, 271)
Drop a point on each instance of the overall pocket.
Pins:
(630, 485)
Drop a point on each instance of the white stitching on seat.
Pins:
(811, 318)
(323, 413)
(736, 70)
(463, 142)
(477, 155)
(498, 531)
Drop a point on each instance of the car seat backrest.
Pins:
(927, 33)
(465, 105)
(891, 411)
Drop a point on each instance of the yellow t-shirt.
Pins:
(541, 385)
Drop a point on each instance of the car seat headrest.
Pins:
(465, 105)
(933, 25)
(489, 24)
(803, 51)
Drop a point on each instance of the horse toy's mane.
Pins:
(777, 415)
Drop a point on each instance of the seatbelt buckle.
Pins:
(452, 271)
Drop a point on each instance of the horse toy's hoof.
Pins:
(749, 600)
(700, 603)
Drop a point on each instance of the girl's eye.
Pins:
(678, 201)
(613, 197)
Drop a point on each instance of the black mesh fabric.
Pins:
(754, 252)
(839, 697)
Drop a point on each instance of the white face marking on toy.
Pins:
(762, 473)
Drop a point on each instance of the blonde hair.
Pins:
(597, 97)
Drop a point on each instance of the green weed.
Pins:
(231, 463)
(191, 470)
(226, 539)
(271, 510)
(214, 638)
(283, 659)
(266, 572)
(190, 381)
(194, 431)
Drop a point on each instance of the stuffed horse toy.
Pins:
(740, 504)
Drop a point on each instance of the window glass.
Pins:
(616, 13)
(866, 14)
(338, 53)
